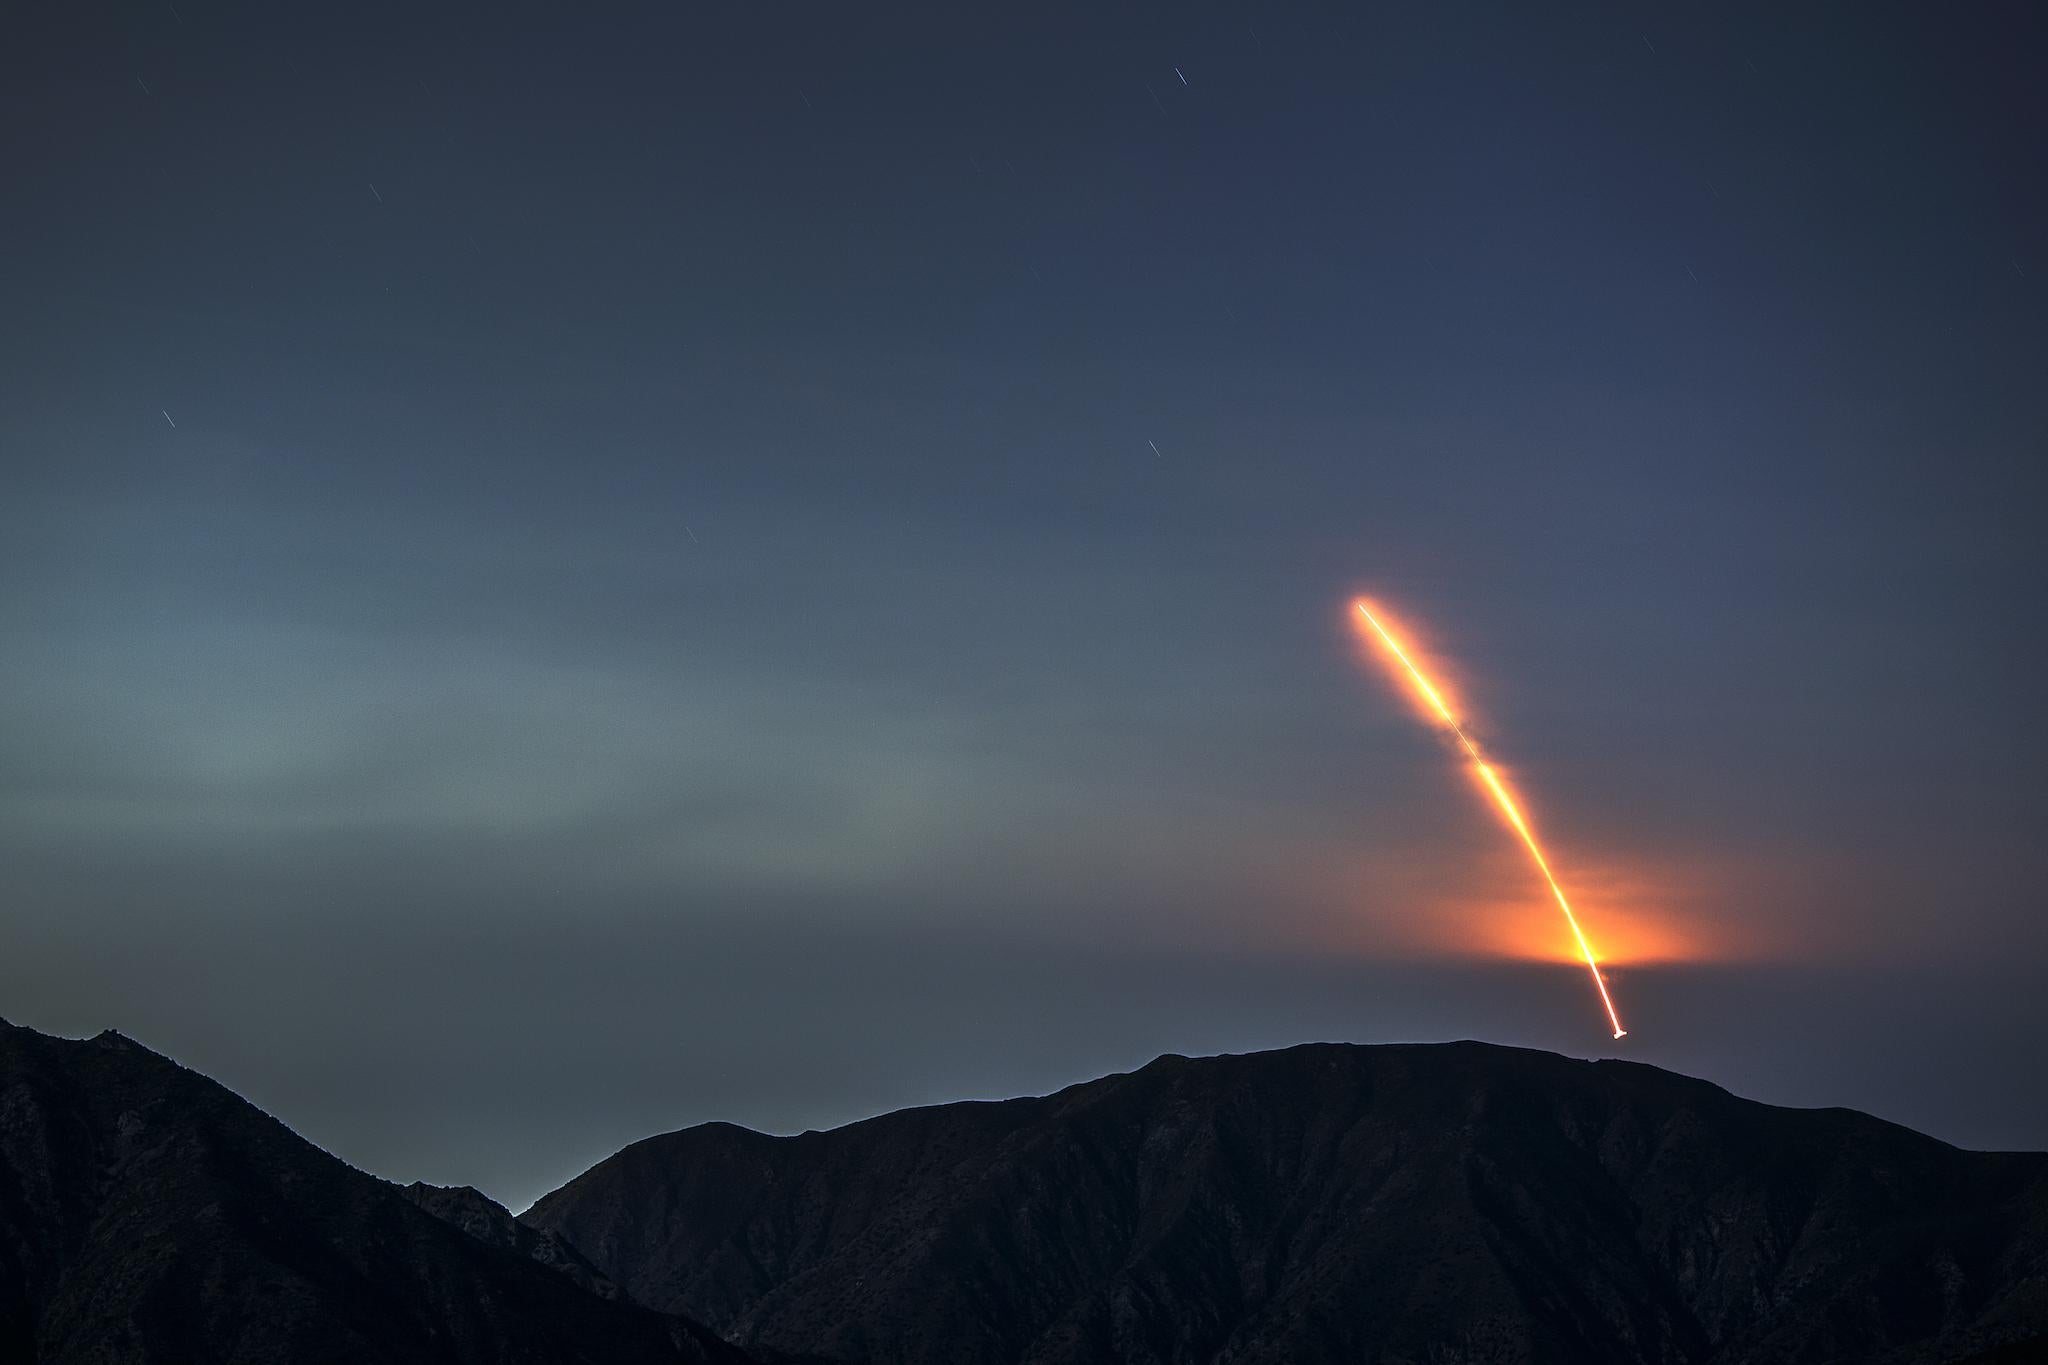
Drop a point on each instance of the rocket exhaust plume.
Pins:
(1498, 789)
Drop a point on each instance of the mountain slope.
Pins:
(150, 1215)
(1454, 1203)
(485, 1219)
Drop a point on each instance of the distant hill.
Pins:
(485, 1219)
(1412, 1205)
(149, 1215)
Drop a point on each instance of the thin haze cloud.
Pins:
(676, 581)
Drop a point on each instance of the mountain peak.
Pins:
(1453, 1201)
(1327, 1202)
(149, 1213)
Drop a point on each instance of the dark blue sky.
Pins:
(567, 570)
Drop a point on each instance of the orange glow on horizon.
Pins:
(1498, 789)
(1502, 929)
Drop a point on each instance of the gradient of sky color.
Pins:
(571, 570)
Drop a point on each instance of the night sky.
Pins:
(571, 570)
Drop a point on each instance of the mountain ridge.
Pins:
(1410, 1204)
(148, 1213)
(1194, 1210)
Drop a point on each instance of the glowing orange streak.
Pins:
(1507, 806)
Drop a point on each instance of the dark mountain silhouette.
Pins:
(1412, 1204)
(150, 1215)
(1409, 1205)
(485, 1219)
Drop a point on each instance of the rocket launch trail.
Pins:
(1498, 789)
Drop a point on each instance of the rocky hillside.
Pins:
(485, 1219)
(1456, 1203)
(149, 1215)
